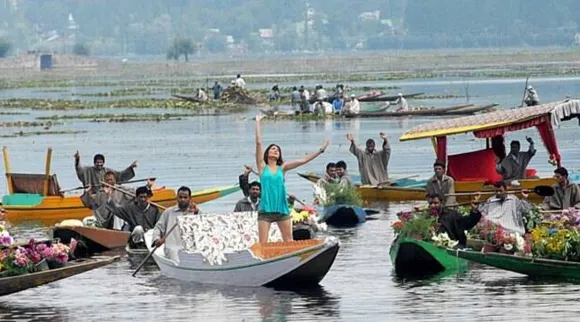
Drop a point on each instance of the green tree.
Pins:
(181, 46)
(81, 49)
(4, 47)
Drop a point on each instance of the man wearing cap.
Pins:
(441, 185)
(566, 193)
(352, 107)
(93, 176)
(513, 166)
(532, 97)
(139, 215)
(402, 103)
(372, 164)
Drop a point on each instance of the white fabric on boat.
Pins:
(214, 235)
(564, 110)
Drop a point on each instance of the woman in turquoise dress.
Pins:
(273, 202)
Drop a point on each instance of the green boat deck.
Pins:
(22, 199)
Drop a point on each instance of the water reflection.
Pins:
(264, 303)
(18, 312)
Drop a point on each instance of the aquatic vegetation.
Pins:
(23, 134)
(27, 124)
(110, 116)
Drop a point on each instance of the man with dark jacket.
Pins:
(452, 222)
(251, 191)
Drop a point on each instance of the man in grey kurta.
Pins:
(441, 185)
(161, 235)
(97, 201)
(251, 200)
(372, 164)
(566, 193)
(139, 215)
(513, 166)
(94, 175)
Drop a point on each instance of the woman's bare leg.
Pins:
(263, 231)
(286, 229)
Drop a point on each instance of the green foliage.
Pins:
(81, 49)
(337, 194)
(422, 225)
(4, 47)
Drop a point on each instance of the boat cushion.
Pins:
(477, 164)
(22, 199)
(214, 235)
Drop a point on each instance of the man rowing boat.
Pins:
(93, 176)
(566, 193)
(139, 215)
(173, 241)
(372, 164)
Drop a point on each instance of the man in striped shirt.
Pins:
(506, 209)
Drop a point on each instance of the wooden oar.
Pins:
(131, 195)
(525, 89)
(544, 191)
(130, 181)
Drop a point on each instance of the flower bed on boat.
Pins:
(215, 235)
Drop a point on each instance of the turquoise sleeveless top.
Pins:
(273, 198)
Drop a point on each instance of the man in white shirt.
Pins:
(402, 103)
(352, 107)
(506, 210)
(240, 82)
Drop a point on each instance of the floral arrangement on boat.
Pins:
(30, 258)
(338, 194)
(443, 240)
(420, 225)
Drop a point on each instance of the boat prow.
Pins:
(343, 216)
(285, 265)
(92, 240)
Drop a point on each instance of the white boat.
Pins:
(222, 249)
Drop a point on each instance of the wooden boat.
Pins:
(189, 98)
(361, 97)
(13, 284)
(477, 176)
(398, 190)
(92, 240)
(412, 257)
(38, 197)
(213, 253)
(535, 267)
(343, 216)
(472, 110)
(423, 112)
(388, 98)
(302, 232)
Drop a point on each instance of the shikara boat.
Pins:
(412, 257)
(534, 267)
(440, 111)
(477, 176)
(343, 216)
(189, 98)
(398, 190)
(91, 240)
(38, 197)
(362, 97)
(243, 262)
(388, 98)
(13, 284)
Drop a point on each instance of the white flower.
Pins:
(508, 247)
(520, 242)
(443, 240)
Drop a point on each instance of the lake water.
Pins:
(202, 152)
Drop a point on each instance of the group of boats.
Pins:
(235, 258)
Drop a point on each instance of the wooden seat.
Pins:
(33, 183)
(277, 249)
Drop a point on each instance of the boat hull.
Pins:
(343, 216)
(533, 267)
(91, 240)
(302, 232)
(416, 258)
(9, 285)
(53, 209)
(305, 267)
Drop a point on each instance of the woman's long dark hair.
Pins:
(280, 161)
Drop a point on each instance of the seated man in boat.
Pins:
(321, 93)
(513, 166)
(442, 185)
(168, 220)
(330, 175)
(532, 97)
(401, 102)
(338, 104)
(250, 202)
(323, 107)
(566, 193)
(451, 221)
(94, 175)
(201, 95)
(372, 164)
(97, 201)
(352, 106)
(506, 209)
(139, 215)
(341, 175)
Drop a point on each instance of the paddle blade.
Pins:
(544, 191)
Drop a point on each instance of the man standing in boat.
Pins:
(173, 242)
(451, 221)
(442, 185)
(372, 164)
(92, 176)
(566, 194)
(139, 215)
(506, 209)
(513, 166)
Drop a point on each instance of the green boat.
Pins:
(412, 257)
(534, 267)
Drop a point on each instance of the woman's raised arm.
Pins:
(259, 153)
(287, 166)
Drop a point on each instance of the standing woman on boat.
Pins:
(273, 203)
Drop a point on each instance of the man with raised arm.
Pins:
(372, 164)
(94, 175)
